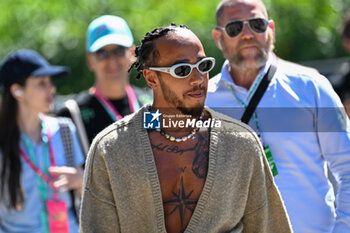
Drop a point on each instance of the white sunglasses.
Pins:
(183, 70)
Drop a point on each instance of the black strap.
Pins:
(258, 94)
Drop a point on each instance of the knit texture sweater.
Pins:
(122, 191)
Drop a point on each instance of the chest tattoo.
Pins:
(200, 162)
(170, 149)
(181, 202)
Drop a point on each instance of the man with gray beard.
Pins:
(294, 110)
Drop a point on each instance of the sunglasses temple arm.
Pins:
(162, 69)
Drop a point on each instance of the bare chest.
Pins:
(182, 169)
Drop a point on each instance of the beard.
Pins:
(173, 99)
(194, 112)
(238, 60)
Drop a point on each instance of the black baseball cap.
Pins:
(24, 63)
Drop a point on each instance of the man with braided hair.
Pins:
(178, 179)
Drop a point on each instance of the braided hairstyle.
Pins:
(145, 53)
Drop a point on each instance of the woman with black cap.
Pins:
(35, 178)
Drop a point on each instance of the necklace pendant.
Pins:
(178, 139)
(192, 135)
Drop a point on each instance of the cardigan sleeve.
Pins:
(98, 209)
(265, 212)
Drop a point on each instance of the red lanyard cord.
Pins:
(40, 173)
(37, 170)
(112, 111)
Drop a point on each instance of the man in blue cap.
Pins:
(110, 52)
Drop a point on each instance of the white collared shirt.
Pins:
(302, 120)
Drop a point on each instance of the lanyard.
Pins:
(259, 88)
(255, 85)
(108, 106)
(255, 115)
(41, 176)
(37, 170)
(31, 161)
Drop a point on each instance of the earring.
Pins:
(18, 92)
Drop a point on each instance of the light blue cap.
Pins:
(108, 29)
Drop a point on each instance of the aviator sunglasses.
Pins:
(103, 54)
(183, 70)
(235, 27)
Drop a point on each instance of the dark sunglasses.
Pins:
(103, 54)
(183, 70)
(235, 27)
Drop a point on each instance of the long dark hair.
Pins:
(9, 144)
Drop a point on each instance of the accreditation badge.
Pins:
(58, 216)
(270, 160)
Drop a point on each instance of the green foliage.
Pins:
(305, 29)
